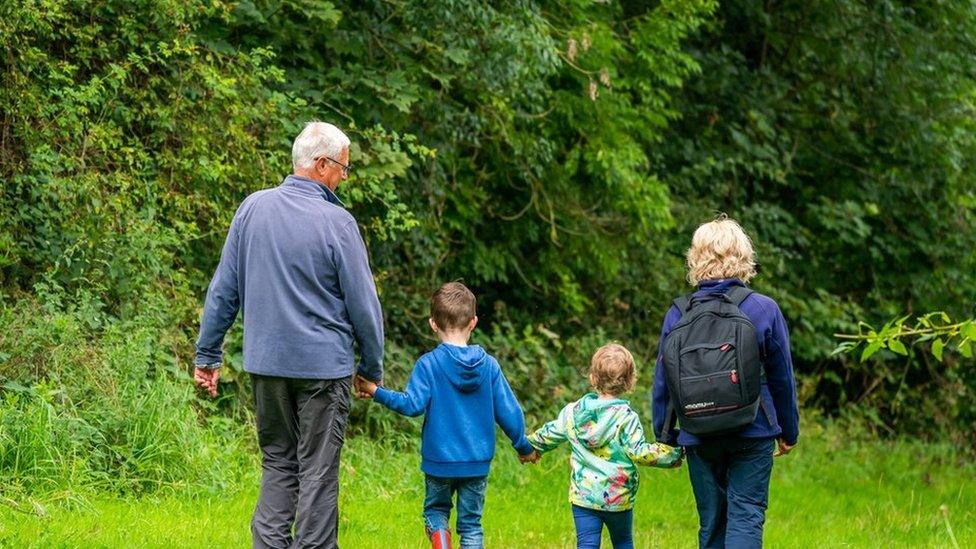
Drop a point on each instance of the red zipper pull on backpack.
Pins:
(734, 377)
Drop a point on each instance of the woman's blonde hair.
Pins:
(612, 370)
(720, 249)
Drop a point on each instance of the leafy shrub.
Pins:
(108, 409)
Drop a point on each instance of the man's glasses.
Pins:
(345, 167)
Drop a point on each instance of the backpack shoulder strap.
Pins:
(738, 294)
(683, 303)
(670, 420)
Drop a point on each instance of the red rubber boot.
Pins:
(440, 539)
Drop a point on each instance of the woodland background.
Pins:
(556, 156)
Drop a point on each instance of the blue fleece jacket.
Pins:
(295, 264)
(778, 415)
(463, 393)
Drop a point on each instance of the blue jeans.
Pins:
(589, 526)
(730, 478)
(470, 504)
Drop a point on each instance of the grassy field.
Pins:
(829, 493)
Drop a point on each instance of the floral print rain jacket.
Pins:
(608, 443)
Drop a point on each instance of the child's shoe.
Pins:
(440, 539)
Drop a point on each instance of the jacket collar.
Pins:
(307, 186)
(720, 285)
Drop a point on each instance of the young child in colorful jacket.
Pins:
(462, 393)
(608, 443)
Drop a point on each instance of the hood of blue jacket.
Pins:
(465, 367)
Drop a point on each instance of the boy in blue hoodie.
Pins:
(462, 392)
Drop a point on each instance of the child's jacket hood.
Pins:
(595, 420)
(465, 367)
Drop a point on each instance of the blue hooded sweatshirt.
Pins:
(462, 392)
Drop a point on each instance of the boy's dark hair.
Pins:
(452, 306)
(612, 370)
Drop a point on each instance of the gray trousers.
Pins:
(301, 427)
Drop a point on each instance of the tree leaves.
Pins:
(936, 327)
(937, 346)
(897, 346)
(871, 348)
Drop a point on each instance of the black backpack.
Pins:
(712, 365)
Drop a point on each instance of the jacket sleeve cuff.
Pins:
(208, 365)
(536, 445)
(381, 396)
(523, 446)
(374, 374)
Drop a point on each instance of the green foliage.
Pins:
(916, 377)
(844, 153)
(106, 409)
(542, 118)
(936, 327)
(555, 155)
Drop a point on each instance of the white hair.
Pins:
(318, 139)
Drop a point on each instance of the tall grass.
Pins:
(833, 491)
(85, 411)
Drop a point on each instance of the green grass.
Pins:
(829, 493)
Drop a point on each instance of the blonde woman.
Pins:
(729, 462)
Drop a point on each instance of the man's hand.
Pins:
(530, 458)
(206, 379)
(782, 448)
(364, 387)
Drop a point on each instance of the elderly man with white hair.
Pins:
(296, 266)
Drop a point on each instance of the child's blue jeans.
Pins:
(589, 526)
(470, 503)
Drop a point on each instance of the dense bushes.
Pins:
(554, 155)
(102, 407)
(118, 128)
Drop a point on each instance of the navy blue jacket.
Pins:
(463, 393)
(295, 264)
(778, 415)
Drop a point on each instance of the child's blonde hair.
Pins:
(612, 370)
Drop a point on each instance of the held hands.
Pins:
(206, 379)
(672, 459)
(681, 458)
(365, 388)
(534, 457)
(782, 448)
